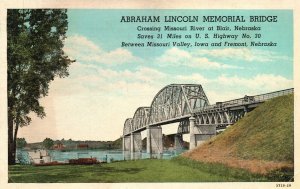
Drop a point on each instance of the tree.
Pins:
(35, 57)
(21, 142)
(48, 143)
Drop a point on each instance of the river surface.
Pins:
(101, 155)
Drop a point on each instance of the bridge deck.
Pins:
(247, 100)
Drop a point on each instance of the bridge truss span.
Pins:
(127, 126)
(175, 101)
(219, 117)
(141, 118)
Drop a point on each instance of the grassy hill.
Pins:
(262, 141)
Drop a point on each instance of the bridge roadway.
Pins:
(188, 105)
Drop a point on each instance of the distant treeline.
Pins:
(79, 144)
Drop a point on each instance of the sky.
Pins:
(107, 83)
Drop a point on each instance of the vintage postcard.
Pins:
(149, 94)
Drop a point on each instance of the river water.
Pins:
(101, 155)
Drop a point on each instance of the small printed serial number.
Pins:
(283, 185)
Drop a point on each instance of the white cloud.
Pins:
(84, 50)
(179, 57)
(230, 87)
(117, 56)
(145, 74)
(246, 54)
(193, 78)
(217, 96)
(88, 78)
(260, 82)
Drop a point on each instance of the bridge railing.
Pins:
(268, 96)
(247, 100)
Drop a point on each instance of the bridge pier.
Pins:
(200, 133)
(178, 142)
(126, 147)
(154, 142)
(204, 132)
(148, 145)
(192, 133)
(135, 146)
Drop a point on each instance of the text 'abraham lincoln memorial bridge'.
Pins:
(188, 105)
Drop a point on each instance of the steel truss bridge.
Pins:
(179, 102)
(188, 105)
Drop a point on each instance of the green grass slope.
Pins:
(266, 133)
(262, 141)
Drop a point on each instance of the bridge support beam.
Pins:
(192, 133)
(126, 147)
(135, 146)
(154, 142)
(148, 145)
(178, 142)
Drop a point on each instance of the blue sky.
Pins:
(108, 83)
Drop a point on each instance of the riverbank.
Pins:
(147, 170)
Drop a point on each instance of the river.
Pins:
(101, 155)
